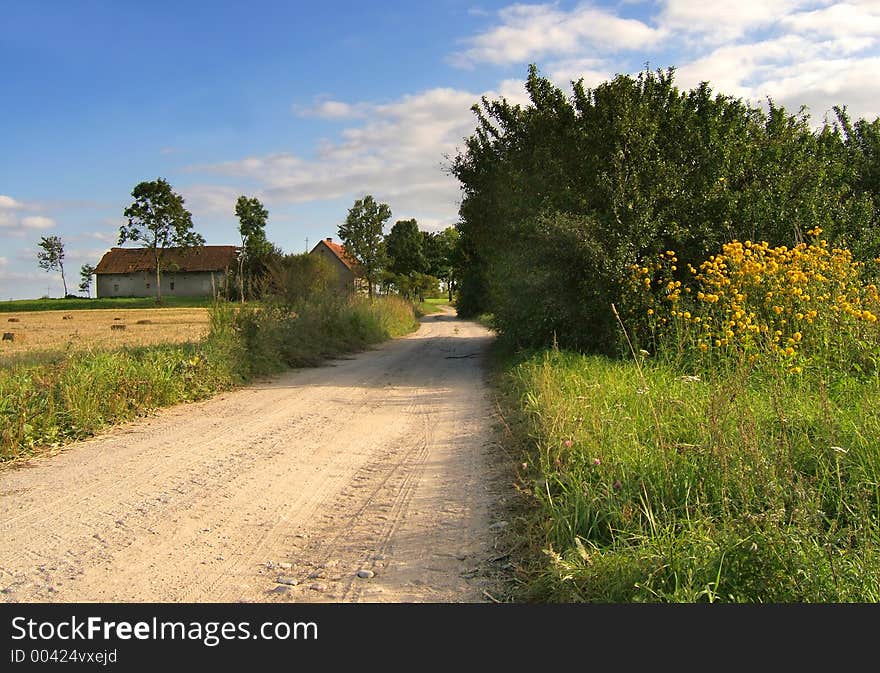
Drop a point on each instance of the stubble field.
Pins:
(60, 331)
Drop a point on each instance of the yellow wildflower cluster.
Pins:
(755, 298)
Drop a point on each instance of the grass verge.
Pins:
(647, 484)
(73, 397)
(16, 305)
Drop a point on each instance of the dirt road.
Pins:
(371, 479)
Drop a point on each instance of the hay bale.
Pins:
(67, 317)
(8, 336)
(117, 326)
(144, 322)
(117, 318)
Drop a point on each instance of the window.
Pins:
(148, 286)
(116, 287)
(172, 284)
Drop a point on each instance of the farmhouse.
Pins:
(346, 266)
(195, 272)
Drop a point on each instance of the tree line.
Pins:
(563, 195)
(407, 261)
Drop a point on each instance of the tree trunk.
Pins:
(63, 281)
(241, 276)
(158, 282)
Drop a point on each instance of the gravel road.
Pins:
(370, 479)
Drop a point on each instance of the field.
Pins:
(47, 332)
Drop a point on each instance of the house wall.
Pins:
(346, 276)
(143, 284)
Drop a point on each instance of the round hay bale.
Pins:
(144, 322)
(117, 327)
(13, 320)
(8, 336)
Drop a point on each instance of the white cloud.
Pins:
(842, 20)
(397, 154)
(331, 109)
(8, 203)
(723, 21)
(527, 32)
(210, 200)
(37, 222)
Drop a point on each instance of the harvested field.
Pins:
(53, 331)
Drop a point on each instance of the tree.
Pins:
(252, 216)
(158, 220)
(404, 247)
(51, 257)
(441, 251)
(361, 233)
(86, 272)
(298, 278)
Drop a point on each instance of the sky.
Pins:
(309, 106)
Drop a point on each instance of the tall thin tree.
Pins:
(51, 257)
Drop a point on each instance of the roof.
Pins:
(204, 258)
(340, 252)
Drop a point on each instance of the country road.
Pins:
(373, 478)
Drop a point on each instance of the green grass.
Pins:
(115, 303)
(650, 485)
(58, 399)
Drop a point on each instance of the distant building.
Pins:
(347, 269)
(195, 272)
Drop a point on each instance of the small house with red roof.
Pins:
(185, 272)
(346, 267)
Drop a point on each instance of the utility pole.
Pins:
(307, 243)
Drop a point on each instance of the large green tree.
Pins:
(403, 245)
(158, 220)
(363, 238)
(255, 248)
(51, 256)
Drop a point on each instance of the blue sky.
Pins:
(309, 106)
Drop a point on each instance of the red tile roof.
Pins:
(341, 253)
(205, 258)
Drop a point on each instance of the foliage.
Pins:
(86, 271)
(361, 233)
(403, 245)
(617, 174)
(299, 277)
(650, 485)
(442, 257)
(51, 257)
(84, 392)
(806, 306)
(158, 220)
(256, 250)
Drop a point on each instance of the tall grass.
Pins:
(650, 485)
(738, 462)
(77, 395)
